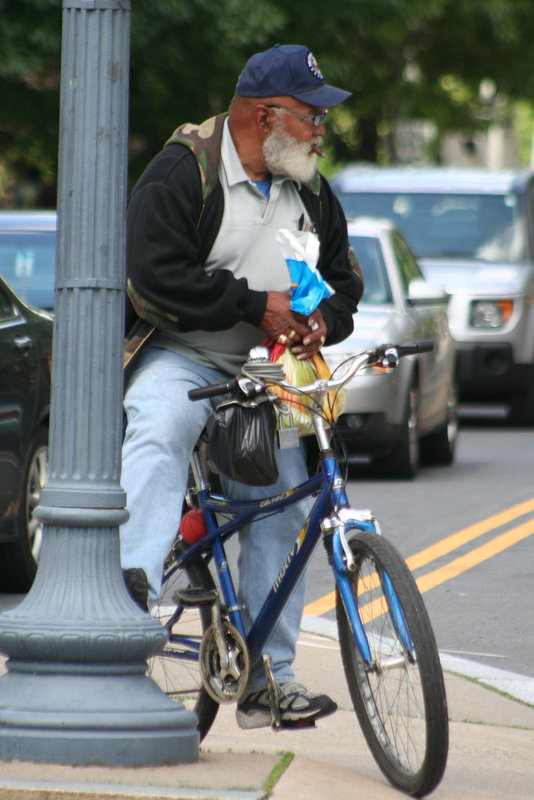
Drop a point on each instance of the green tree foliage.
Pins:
(401, 58)
(30, 46)
(185, 59)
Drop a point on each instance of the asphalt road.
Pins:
(477, 580)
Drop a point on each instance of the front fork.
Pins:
(344, 566)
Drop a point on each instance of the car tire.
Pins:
(439, 447)
(403, 460)
(522, 408)
(19, 558)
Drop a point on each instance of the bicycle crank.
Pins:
(223, 659)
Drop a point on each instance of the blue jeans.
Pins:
(163, 427)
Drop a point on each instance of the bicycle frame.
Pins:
(328, 486)
(323, 519)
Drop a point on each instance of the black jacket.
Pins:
(174, 215)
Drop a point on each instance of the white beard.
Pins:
(285, 156)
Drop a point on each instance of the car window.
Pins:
(7, 309)
(377, 288)
(27, 264)
(485, 227)
(408, 266)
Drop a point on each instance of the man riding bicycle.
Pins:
(205, 268)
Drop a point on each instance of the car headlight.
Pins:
(491, 313)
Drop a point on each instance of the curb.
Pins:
(514, 685)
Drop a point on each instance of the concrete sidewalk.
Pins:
(491, 753)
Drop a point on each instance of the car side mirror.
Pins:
(422, 293)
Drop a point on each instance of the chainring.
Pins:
(224, 684)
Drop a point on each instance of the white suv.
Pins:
(472, 231)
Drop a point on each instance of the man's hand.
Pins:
(305, 335)
(315, 337)
(280, 322)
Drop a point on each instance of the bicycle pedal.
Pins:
(297, 723)
(195, 597)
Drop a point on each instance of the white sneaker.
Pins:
(297, 704)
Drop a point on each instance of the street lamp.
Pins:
(76, 691)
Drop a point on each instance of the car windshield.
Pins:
(483, 227)
(27, 264)
(377, 289)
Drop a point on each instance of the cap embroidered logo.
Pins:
(314, 67)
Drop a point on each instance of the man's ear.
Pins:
(261, 115)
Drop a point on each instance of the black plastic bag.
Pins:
(241, 436)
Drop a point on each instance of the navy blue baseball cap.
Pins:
(288, 70)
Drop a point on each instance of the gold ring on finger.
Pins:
(282, 339)
(292, 334)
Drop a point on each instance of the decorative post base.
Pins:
(112, 715)
(76, 690)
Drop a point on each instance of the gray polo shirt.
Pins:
(246, 245)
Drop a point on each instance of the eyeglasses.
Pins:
(314, 119)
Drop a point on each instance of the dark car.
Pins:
(25, 359)
(472, 231)
(28, 255)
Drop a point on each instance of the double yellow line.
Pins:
(462, 563)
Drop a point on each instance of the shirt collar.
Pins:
(235, 172)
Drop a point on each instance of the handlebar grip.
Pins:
(213, 390)
(415, 347)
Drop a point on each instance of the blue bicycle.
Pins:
(389, 653)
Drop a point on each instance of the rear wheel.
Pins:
(176, 668)
(439, 448)
(403, 460)
(400, 700)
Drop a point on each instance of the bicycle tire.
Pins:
(401, 705)
(175, 675)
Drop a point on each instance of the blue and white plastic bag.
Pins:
(301, 252)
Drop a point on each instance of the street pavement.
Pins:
(491, 752)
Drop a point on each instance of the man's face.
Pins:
(292, 146)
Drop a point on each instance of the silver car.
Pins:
(472, 231)
(394, 418)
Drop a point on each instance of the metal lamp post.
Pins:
(76, 690)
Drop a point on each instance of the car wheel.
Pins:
(403, 461)
(439, 447)
(20, 557)
(522, 408)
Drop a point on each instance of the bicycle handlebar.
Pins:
(213, 390)
(413, 348)
(385, 355)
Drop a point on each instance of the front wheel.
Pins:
(19, 558)
(522, 408)
(400, 698)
